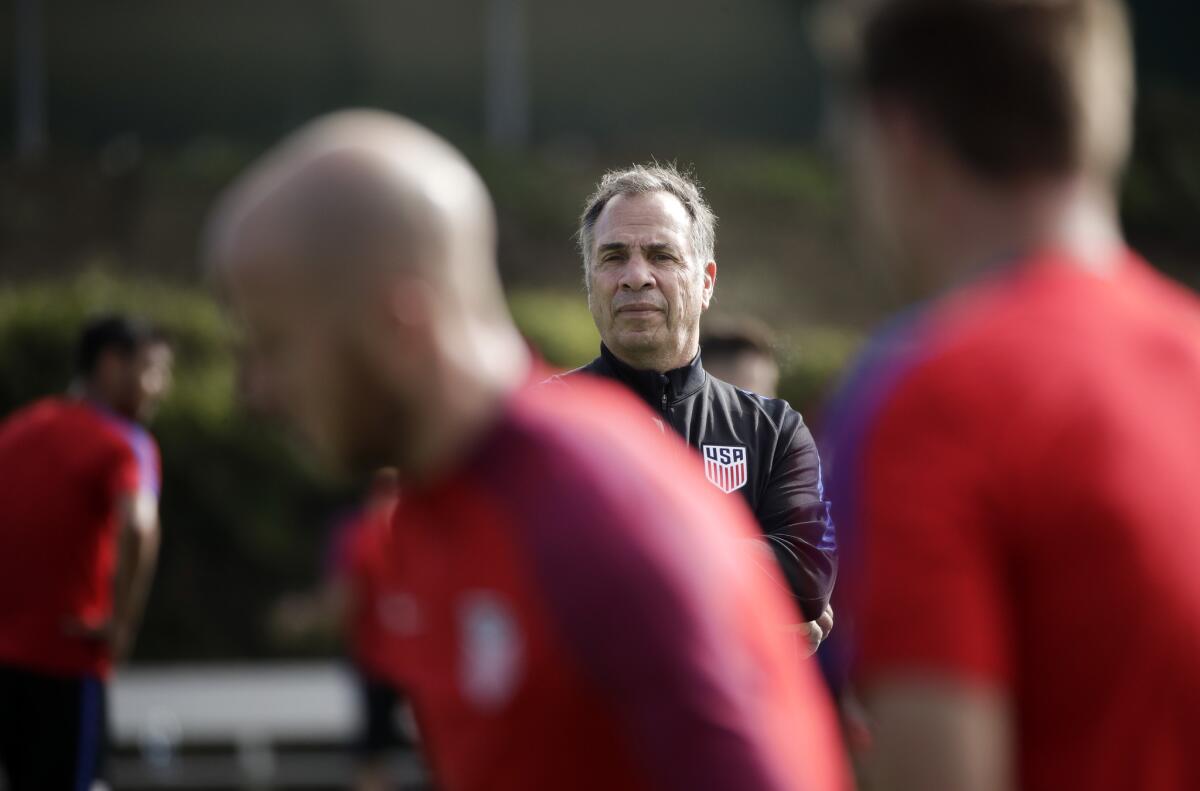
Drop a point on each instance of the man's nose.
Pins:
(637, 275)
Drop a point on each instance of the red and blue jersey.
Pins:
(65, 466)
(583, 611)
(1016, 467)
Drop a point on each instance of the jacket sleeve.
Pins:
(795, 519)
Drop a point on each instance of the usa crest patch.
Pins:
(725, 466)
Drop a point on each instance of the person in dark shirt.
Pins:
(647, 239)
(741, 350)
(550, 631)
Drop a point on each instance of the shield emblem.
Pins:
(725, 466)
(492, 653)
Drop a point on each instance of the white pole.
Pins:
(507, 103)
(31, 81)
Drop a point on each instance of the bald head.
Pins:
(358, 192)
(357, 254)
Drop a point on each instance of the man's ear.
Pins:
(710, 282)
(411, 303)
(907, 141)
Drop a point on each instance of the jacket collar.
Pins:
(652, 386)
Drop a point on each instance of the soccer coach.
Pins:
(647, 238)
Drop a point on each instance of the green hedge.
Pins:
(810, 358)
(243, 520)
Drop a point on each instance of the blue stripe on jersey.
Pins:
(142, 445)
(889, 355)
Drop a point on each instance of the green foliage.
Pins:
(241, 521)
(811, 360)
(558, 324)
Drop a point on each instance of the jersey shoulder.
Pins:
(1048, 315)
(774, 413)
(51, 422)
(597, 450)
(597, 367)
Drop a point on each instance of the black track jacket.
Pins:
(755, 445)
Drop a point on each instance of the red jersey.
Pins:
(362, 564)
(1026, 514)
(583, 613)
(64, 466)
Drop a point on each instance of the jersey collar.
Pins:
(658, 388)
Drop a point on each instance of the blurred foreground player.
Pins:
(79, 480)
(556, 636)
(1021, 452)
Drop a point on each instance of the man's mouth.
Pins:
(638, 310)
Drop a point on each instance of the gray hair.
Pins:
(639, 180)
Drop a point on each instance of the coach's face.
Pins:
(647, 287)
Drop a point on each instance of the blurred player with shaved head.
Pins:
(1017, 458)
(553, 635)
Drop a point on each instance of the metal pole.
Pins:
(507, 103)
(31, 81)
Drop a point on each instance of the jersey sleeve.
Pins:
(135, 467)
(795, 519)
(125, 474)
(342, 557)
(639, 627)
(933, 596)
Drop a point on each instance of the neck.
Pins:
(1074, 218)
(479, 369)
(86, 391)
(656, 360)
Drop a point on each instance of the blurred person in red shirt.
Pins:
(79, 485)
(356, 601)
(371, 608)
(1017, 457)
(557, 635)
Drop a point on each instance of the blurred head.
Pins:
(359, 258)
(647, 239)
(125, 364)
(741, 351)
(1005, 101)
